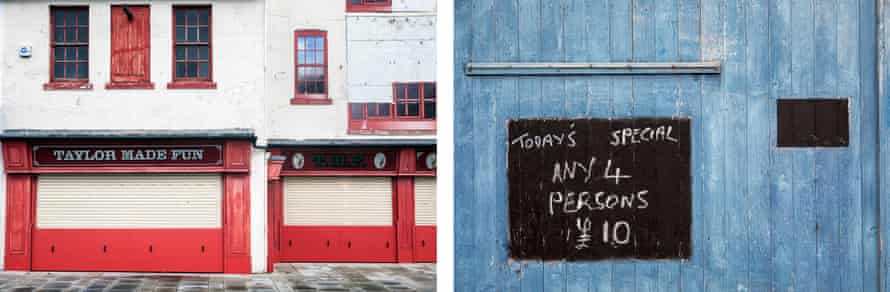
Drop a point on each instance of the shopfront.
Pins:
(128, 204)
(352, 204)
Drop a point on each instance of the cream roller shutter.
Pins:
(129, 201)
(425, 201)
(338, 201)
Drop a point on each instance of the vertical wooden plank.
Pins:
(621, 24)
(644, 101)
(507, 44)
(850, 203)
(869, 141)
(579, 276)
(483, 130)
(666, 105)
(599, 103)
(689, 22)
(465, 266)
(827, 190)
(712, 150)
(19, 205)
(530, 46)
(758, 145)
(803, 168)
(553, 32)
(734, 112)
(781, 197)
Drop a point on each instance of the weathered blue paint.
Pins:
(764, 218)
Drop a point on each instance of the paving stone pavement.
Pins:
(287, 278)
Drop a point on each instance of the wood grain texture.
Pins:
(763, 218)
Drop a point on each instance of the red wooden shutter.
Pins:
(130, 45)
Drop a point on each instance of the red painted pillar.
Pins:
(274, 210)
(19, 203)
(405, 197)
(236, 208)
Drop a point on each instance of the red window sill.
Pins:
(370, 9)
(310, 100)
(130, 85)
(59, 85)
(191, 85)
(391, 127)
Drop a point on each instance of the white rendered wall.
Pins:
(305, 121)
(414, 5)
(237, 36)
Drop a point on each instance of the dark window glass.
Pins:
(70, 43)
(192, 41)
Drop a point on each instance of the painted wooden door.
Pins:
(764, 218)
(130, 43)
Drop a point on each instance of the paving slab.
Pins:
(314, 277)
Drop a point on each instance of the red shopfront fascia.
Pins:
(29, 248)
(402, 242)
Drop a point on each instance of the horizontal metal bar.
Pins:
(614, 68)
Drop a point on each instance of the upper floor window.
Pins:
(413, 110)
(368, 5)
(311, 67)
(69, 47)
(193, 47)
(415, 100)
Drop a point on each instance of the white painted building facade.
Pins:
(252, 86)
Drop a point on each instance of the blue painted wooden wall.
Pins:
(764, 218)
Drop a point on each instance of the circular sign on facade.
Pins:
(379, 160)
(298, 161)
(431, 160)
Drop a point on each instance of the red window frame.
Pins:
(310, 98)
(192, 82)
(365, 6)
(76, 82)
(392, 123)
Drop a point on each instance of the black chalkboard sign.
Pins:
(594, 189)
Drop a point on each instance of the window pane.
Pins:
(429, 90)
(60, 53)
(83, 34)
(301, 43)
(180, 34)
(319, 57)
(429, 110)
(59, 70)
(70, 69)
(202, 34)
(355, 111)
(413, 109)
(204, 53)
(301, 87)
(400, 92)
(413, 91)
(192, 17)
(180, 17)
(70, 18)
(192, 70)
(83, 17)
(83, 53)
(70, 34)
(180, 69)
(71, 53)
(301, 57)
(355, 2)
(180, 53)
(203, 69)
(203, 16)
(82, 70)
(59, 35)
(191, 34)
